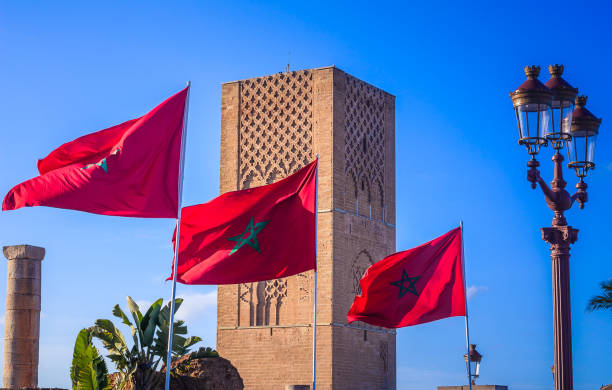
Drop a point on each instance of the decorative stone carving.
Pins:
(360, 264)
(261, 302)
(560, 238)
(246, 305)
(304, 282)
(275, 139)
(364, 150)
(384, 355)
(275, 290)
(275, 127)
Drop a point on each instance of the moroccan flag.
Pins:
(255, 234)
(128, 170)
(412, 287)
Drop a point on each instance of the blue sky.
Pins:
(72, 68)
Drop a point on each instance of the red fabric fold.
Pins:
(412, 287)
(255, 234)
(129, 170)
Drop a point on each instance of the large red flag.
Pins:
(412, 287)
(256, 234)
(128, 170)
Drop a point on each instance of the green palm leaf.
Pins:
(603, 301)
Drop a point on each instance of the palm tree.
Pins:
(603, 301)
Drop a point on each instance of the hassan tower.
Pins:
(270, 127)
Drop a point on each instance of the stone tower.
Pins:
(270, 127)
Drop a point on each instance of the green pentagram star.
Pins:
(403, 289)
(248, 237)
(101, 163)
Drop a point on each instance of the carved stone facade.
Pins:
(275, 127)
(270, 127)
(364, 148)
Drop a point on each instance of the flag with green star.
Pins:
(256, 234)
(412, 287)
(128, 170)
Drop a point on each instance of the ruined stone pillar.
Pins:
(22, 319)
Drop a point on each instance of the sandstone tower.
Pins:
(270, 127)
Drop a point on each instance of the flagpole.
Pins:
(467, 324)
(314, 325)
(178, 235)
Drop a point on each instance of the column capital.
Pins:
(559, 235)
(30, 252)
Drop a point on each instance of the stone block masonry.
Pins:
(22, 319)
(270, 127)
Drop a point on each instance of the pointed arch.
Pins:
(363, 196)
(377, 200)
(350, 193)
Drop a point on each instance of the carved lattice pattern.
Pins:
(276, 289)
(244, 290)
(364, 150)
(275, 127)
(275, 141)
(360, 264)
(304, 282)
(245, 300)
(384, 355)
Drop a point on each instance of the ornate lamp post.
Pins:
(473, 363)
(546, 113)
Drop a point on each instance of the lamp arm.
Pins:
(574, 197)
(548, 193)
(533, 175)
(581, 195)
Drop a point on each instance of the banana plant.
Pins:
(88, 371)
(139, 363)
(118, 351)
(180, 344)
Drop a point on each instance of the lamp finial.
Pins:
(555, 70)
(532, 72)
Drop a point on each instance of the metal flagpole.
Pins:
(178, 235)
(467, 324)
(314, 325)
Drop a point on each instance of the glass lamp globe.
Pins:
(584, 131)
(563, 97)
(473, 363)
(532, 103)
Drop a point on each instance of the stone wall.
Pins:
(270, 127)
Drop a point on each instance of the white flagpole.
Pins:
(314, 325)
(467, 324)
(178, 235)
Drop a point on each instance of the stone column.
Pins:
(22, 319)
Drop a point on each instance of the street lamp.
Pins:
(581, 146)
(532, 104)
(563, 97)
(473, 363)
(546, 113)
